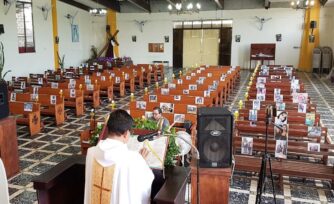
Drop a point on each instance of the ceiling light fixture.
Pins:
(98, 11)
(303, 4)
(184, 8)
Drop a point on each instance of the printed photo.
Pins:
(261, 97)
(252, 123)
(260, 85)
(280, 106)
(247, 145)
(171, 86)
(299, 97)
(33, 97)
(191, 109)
(152, 98)
(199, 100)
(209, 74)
(179, 81)
(177, 98)
(13, 96)
(313, 147)
(53, 99)
(261, 80)
(281, 132)
(281, 118)
(302, 108)
(261, 91)
(252, 115)
(278, 98)
(314, 131)
(54, 85)
(256, 105)
(90, 87)
(164, 91)
(185, 91)
(148, 115)
(207, 93)
(179, 118)
(117, 80)
(167, 107)
(330, 161)
(192, 87)
(141, 105)
(275, 77)
(309, 119)
(277, 91)
(27, 107)
(281, 150)
(23, 85)
(192, 74)
(72, 93)
(40, 81)
(188, 77)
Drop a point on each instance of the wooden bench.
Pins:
(30, 118)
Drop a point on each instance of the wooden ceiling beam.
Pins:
(111, 4)
(143, 4)
(220, 3)
(76, 4)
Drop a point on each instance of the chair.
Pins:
(4, 195)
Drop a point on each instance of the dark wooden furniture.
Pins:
(263, 52)
(8, 146)
(65, 183)
(214, 184)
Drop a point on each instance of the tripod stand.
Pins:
(265, 159)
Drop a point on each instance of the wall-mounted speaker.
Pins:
(313, 24)
(214, 137)
(2, 30)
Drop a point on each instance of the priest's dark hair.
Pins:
(119, 122)
(158, 109)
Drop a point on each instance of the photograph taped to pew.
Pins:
(171, 86)
(185, 91)
(261, 91)
(34, 97)
(23, 85)
(256, 104)
(53, 99)
(247, 145)
(299, 97)
(313, 131)
(309, 119)
(277, 91)
(177, 98)
(313, 147)
(90, 87)
(280, 106)
(27, 107)
(191, 109)
(275, 77)
(261, 97)
(207, 93)
(330, 161)
(192, 87)
(164, 91)
(281, 149)
(252, 115)
(179, 118)
(260, 85)
(302, 107)
(199, 100)
(13, 96)
(281, 132)
(72, 93)
(152, 98)
(179, 81)
(281, 118)
(167, 107)
(54, 85)
(148, 115)
(261, 80)
(278, 98)
(141, 105)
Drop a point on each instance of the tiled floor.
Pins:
(55, 144)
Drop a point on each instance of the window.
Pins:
(25, 28)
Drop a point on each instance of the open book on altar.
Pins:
(157, 150)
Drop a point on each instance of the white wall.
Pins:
(327, 27)
(91, 32)
(287, 22)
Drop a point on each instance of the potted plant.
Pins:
(4, 109)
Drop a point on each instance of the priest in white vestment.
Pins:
(115, 174)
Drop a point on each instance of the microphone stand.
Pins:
(263, 172)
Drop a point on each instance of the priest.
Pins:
(114, 174)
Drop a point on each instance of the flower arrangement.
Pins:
(95, 135)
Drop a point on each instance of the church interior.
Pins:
(246, 88)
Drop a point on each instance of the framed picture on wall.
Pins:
(237, 38)
(166, 39)
(134, 38)
(278, 37)
(75, 33)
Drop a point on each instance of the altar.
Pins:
(65, 183)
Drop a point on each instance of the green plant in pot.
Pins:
(4, 109)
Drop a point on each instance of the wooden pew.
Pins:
(29, 118)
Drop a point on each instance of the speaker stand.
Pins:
(263, 172)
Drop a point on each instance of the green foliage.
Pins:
(2, 62)
(173, 150)
(61, 61)
(144, 124)
(95, 136)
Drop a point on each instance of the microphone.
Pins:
(142, 138)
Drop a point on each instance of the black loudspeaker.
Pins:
(4, 108)
(107, 28)
(2, 30)
(214, 137)
(313, 24)
(267, 4)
